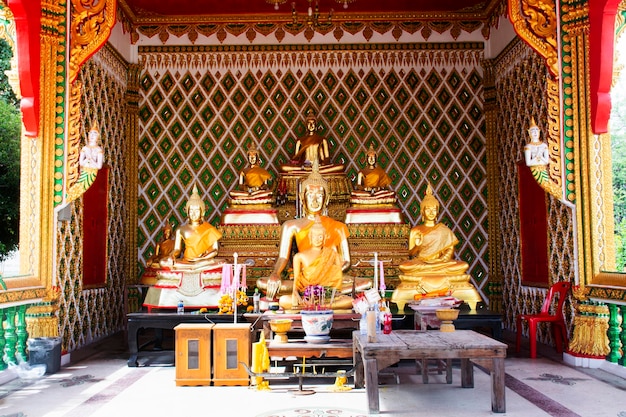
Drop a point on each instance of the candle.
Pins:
(383, 287)
(376, 270)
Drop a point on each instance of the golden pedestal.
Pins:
(459, 285)
(193, 353)
(365, 214)
(231, 345)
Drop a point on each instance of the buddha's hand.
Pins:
(273, 286)
(419, 238)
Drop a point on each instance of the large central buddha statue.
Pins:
(431, 267)
(309, 148)
(314, 196)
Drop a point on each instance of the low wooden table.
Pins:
(466, 345)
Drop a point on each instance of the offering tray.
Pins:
(430, 305)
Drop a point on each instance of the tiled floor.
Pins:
(102, 385)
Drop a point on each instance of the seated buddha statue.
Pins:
(195, 242)
(316, 264)
(431, 267)
(163, 249)
(372, 183)
(309, 148)
(314, 194)
(254, 180)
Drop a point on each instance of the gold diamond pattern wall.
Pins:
(420, 105)
(521, 95)
(87, 314)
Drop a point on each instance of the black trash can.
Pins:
(45, 350)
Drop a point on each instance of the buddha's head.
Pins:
(167, 231)
(314, 193)
(311, 122)
(317, 234)
(371, 156)
(195, 206)
(430, 205)
(253, 154)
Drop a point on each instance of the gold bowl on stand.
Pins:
(447, 316)
(280, 327)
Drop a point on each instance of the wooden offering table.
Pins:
(467, 345)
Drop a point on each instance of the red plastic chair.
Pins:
(557, 319)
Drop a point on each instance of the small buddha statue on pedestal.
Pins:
(431, 267)
(253, 182)
(311, 147)
(372, 201)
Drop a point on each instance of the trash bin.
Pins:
(45, 350)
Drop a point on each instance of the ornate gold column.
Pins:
(132, 138)
(493, 175)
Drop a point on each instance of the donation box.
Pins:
(231, 346)
(193, 353)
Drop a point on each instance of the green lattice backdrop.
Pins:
(420, 105)
(521, 95)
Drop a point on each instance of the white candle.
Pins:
(376, 270)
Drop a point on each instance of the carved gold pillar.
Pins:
(493, 175)
(132, 139)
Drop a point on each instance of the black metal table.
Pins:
(160, 321)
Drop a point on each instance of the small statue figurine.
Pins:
(200, 239)
(163, 249)
(90, 161)
(432, 268)
(91, 155)
(536, 151)
(253, 182)
(309, 148)
(372, 183)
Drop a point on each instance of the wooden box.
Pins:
(193, 353)
(231, 345)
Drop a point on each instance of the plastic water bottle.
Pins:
(363, 324)
(180, 309)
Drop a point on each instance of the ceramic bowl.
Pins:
(280, 325)
(447, 314)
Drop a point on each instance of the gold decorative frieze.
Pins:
(91, 24)
(536, 23)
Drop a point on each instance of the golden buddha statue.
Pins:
(253, 182)
(314, 195)
(432, 268)
(372, 183)
(163, 249)
(199, 238)
(309, 148)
